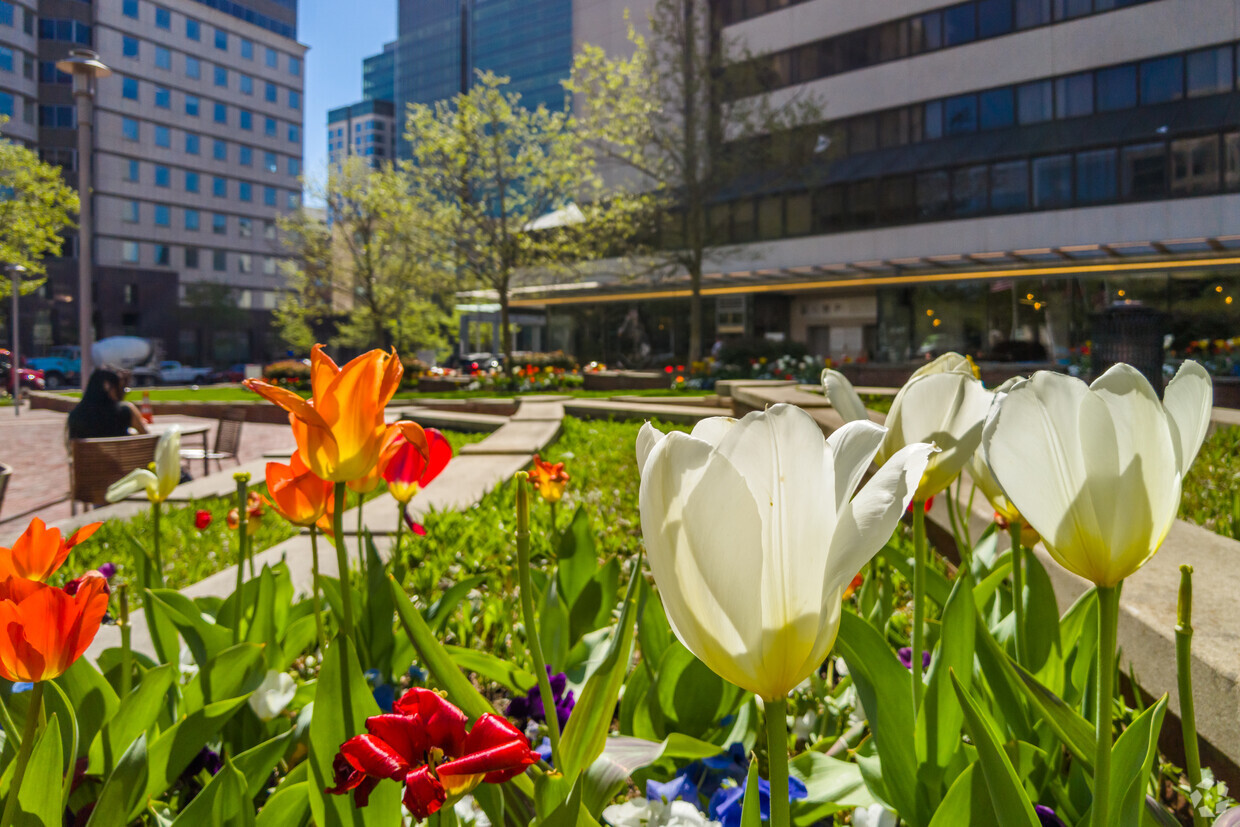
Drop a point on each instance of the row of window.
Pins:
(131, 213)
(132, 130)
(1201, 165)
(9, 16)
(219, 151)
(70, 31)
(12, 59)
(734, 11)
(1109, 89)
(194, 29)
(898, 39)
(131, 47)
(374, 123)
(161, 256)
(131, 90)
(191, 182)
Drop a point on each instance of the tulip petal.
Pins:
(405, 734)
(289, 401)
(842, 396)
(1189, 400)
(424, 795)
(647, 438)
(946, 408)
(713, 429)
(168, 462)
(136, 480)
(853, 448)
(323, 370)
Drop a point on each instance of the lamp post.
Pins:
(85, 66)
(15, 273)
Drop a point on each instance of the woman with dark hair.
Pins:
(103, 411)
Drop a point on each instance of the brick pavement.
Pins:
(33, 444)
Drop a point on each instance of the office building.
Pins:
(379, 75)
(19, 57)
(367, 129)
(989, 175)
(197, 150)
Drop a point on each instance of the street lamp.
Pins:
(15, 273)
(84, 65)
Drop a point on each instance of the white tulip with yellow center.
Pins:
(158, 483)
(943, 402)
(753, 532)
(1097, 469)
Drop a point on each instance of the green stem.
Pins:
(238, 603)
(156, 555)
(126, 646)
(777, 759)
(361, 542)
(919, 598)
(400, 530)
(33, 712)
(1108, 621)
(1018, 592)
(314, 588)
(553, 505)
(531, 621)
(1184, 680)
(342, 560)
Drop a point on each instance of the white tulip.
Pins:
(752, 533)
(979, 470)
(1097, 469)
(876, 815)
(942, 402)
(273, 695)
(158, 485)
(638, 812)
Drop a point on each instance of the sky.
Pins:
(339, 36)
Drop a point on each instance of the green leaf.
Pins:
(376, 620)
(940, 718)
(224, 802)
(988, 585)
(177, 746)
(1041, 617)
(751, 807)
(233, 671)
(257, 762)
(586, 732)
(288, 806)
(439, 612)
(124, 789)
(830, 785)
(938, 588)
(886, 694)
(967, 803)
(39, 801)
(342, 704)
(570, 813)
(262, 627)
(137, 713)
(1080, 626)
(654, 633)
(1007, 795)
(204, 639)
(504, 672)
(55, 702)
(577, 559)
(92, 697)
(692, 698)
(624, 755)
(1132, 758)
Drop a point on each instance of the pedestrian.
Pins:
(103, 411)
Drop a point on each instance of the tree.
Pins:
(35, 209)
(513, 191)
(368, 271)
(685, 117)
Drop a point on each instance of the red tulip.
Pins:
(202, 519)
(406, 469)
(425, 745)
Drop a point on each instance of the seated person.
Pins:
(103, 411)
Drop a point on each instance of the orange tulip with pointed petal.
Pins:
(43, 629)
(340, 429)
(549, 479)
(40, 551)
(295, 493)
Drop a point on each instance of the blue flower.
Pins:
(680, 787)
(1046, 816)
(544, 750)
(22, 686)
(726, 804)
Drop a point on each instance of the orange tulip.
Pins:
(296, 494)
(549, 479)
(254, 513)
(340, 429)
(325, 523)
(404, 467)
(43, 629)
(40, 551)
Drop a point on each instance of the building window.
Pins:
(163, 255)
(163, 97)
(219, 224)
(1035, 102)
(130, 294)
(192, 143)
(245, 227)
(994, 17)
(129, 46)
(1162, 79)
(1074, 95)
(1231, 160)
(969, 190)
(219, 150)
(246, 156)
(246, 84)
(129, 252)
(1195, 166)
(191, 105)
(294, 99)
(163, 176)
(219, 261)
(191, 258)
(273, 59)
(221, 40)
(191, 220)
(221, 76)
(996, 109)
(293, 200)
(1052, 182)
(247, 119)
(6, 59)
(1117, 88)
(247, 49)
(193, 67)
(245, 263)
(7, 104)
(1030, 13)
(163, 18)
(269, 161)
(129, 128)
(245, 191)
(294, 66)
(960, 114)
(129, 88)
(269, 265)
(294, 166)
(191, 181)
(132, 213)
(959, 25)
(1096, 176)
(221, 112)
(219, 187)
(1143, 171)
(1209, 72)
(193, 29)
(1009, 186)
(269, 127)
(294, 133)
(896, 201)
(1068, 9)
(163, 136)
(131, 171)
(163, 215)
(269, 196)
(163, 58)
(269, 230)
(129, 8)
(270, 93)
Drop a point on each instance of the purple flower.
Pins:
(726, 804)
(108, 570)
(206, 759)
(680, 787)
(905, 654)
(1047, 816)
(531, 706)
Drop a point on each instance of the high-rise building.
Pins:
(989, 176)
(197, 150)
(19, 58)
(366, 129)
(379, 75)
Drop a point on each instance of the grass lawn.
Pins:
(1212, 487)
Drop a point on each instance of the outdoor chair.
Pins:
(227, 441)
(6, 471)
(94, 464)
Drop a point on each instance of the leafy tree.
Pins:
(367, 272)
(514, 191)
(683, 119)
(35, 209)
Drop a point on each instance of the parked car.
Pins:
(61, 367)
(30, 378)
(175, 373)
(232, 373)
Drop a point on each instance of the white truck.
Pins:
(141, 358)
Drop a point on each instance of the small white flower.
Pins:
(876, 815)
(638, 812)
(273, 695)
(468, 812)
(803, 725)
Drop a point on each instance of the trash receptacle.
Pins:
(1130, 333)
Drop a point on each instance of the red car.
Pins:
(32, 379)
